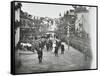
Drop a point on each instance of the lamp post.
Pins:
(68, 34)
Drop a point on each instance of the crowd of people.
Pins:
(52, 44)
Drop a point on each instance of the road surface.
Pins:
(72, 59)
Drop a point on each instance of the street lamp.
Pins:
(68, 33)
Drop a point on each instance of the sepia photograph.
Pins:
(51, 37)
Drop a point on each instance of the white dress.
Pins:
(54, 45)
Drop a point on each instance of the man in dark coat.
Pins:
(50, 44)
(59, 43)
(39, 51)
(56, 49)
(47, 45)
(40, 55)
(62, 49)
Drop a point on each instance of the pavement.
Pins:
(72, 59)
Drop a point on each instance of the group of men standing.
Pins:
(52, 45)
(58, 45)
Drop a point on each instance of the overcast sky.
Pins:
(45, 10)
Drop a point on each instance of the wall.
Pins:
(92, 23)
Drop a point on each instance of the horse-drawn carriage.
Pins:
(32, 45)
